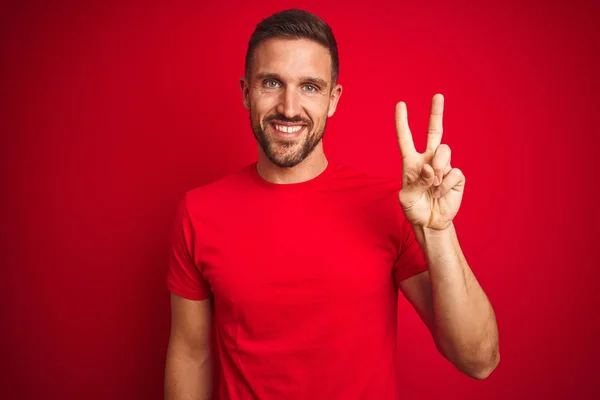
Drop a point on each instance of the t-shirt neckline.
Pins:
(317, 181)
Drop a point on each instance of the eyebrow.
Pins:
(312, 79)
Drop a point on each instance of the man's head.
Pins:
(290, 87)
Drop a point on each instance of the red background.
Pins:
(110, 112)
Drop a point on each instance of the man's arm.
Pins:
(453, 305)
(448, 298)
(188, 372)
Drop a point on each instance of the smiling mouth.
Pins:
(287, 131)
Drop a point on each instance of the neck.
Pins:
(311, 167)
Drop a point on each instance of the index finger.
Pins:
(405, 140)
(435, 130)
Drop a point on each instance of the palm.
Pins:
(425, 203)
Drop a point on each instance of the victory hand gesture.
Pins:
(431, 189)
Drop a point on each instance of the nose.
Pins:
(289, 103)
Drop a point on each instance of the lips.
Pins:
(287, 130)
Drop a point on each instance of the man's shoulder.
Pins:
(375, 193)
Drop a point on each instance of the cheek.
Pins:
(263, 102)
(317, 112)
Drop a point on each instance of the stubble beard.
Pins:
(284, 153)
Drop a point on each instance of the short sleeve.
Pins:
(184, 278)
(411, 258)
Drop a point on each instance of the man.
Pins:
(297, 262)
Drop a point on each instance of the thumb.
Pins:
(425, 179)
(410, 194)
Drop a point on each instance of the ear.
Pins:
(245, 87)
(336, 93)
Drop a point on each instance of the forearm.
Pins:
(188, 375)
(465, 327)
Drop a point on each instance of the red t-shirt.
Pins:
(304, 279)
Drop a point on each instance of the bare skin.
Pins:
(188, 372)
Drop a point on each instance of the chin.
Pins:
(286, 160)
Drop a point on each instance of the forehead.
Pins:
(292, 58)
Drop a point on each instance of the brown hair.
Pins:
(294, 24)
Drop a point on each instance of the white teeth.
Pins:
(288, 129)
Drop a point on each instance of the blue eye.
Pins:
(310, 88)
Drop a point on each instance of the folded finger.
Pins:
(453, 178)
(440, 163)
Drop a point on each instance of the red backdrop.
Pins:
(110, 112)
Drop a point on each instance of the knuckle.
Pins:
(459, 173)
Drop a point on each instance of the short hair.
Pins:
(294, 24)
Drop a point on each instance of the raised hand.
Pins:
(431, 189)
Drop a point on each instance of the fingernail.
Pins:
(436, 181)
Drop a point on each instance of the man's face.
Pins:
(290, 95)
